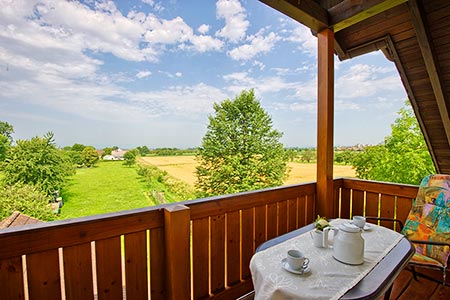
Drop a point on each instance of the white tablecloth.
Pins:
(328, 279)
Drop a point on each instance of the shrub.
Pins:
(26, 199)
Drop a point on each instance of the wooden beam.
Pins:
(307, 12)
(430, 60)
(412, 99)
(176, 232)
(350, 12)
(325, 124)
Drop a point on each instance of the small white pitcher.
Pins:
(320, 238)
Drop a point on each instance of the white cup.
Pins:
(297, 260)
(359, 221)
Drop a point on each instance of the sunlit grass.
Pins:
(108, 187)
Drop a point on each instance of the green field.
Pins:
(108, 187)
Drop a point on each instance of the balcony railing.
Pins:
(197, 249)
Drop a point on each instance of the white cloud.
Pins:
(363, 80)
(260, 65)
(234, 15)
(178, 74)
(203, 29)
(258, 44)
(143, 74)
(203, 43)
(302, 36)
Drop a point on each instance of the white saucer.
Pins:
(367, 226)
(286, 266)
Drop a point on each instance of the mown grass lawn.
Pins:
(107, 187)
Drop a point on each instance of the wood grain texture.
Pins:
(157, 264)
(43, 275)
(11, 278)
(233, 248)
(78, 278)
(248, 241)
(200, 258)
(217, 253)
(109, 269)
(136, 279)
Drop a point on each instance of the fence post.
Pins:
(177, 233)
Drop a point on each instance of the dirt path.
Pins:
(183, 168)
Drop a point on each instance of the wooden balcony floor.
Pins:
(406, 288)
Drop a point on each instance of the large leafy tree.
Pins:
(240, 150)
(89, 156)
(37, 162)
(6, 131)
(402, 158)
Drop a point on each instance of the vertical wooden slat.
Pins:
(233, 257)
(11, 278)
(260, 225)
(345, 203)
(177, 238)
(157, 264)
(136, 278)
(311, 211)
(372, 201)
(200, 257)
(43, 275)
(78, 280)
(217, 253)
(387, 210)
(301, 211)
(282, 217)
(247, 241)
(108, 266)
(292, 218)
(357, 203)
(403, 208)
(272, 222)
(325, 122)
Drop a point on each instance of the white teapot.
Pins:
(348, 245)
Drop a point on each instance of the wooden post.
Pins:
(177, 228)
(325, 120)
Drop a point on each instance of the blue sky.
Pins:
(132, 73)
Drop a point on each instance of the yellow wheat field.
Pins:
(183, 168)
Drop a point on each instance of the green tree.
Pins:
(78, 147)
(240, 151)
(130, 158)
(6, 131)
(107, 151)
(402, 158)
(26, 199)
(37, 162)
(89, 156)
(143, 151)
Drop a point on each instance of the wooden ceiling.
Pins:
(414, 34)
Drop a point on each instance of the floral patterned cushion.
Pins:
(429, 219)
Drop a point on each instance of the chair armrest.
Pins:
(386, 219)
(427, 242)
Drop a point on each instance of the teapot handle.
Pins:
(325, 236)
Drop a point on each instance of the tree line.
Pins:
(240, 151)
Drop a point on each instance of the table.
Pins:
(378, 280)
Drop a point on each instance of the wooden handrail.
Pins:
(217, 236)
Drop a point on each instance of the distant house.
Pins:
(115, 155)
(100, 152)
(118, 154)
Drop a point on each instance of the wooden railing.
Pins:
(371, 198)
(197, 249)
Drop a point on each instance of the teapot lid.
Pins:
(348, 227)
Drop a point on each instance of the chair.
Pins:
(428, 224)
